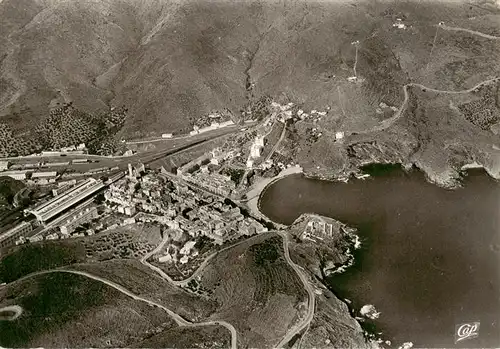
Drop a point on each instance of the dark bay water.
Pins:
(430, 257)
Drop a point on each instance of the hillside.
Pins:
(61, 310)
(198, 337)
(259, 293)
(8, 189)
(170, 62)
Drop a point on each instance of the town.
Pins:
(202, 200)
(139, 196)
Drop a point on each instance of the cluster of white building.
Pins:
(147, 199)
(215, 183)
(399, 24)
(73, 148)
(202, 172)
(127, 197)
(255, 150)
(213, 126)
(317, 229)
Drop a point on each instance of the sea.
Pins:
(429, 261)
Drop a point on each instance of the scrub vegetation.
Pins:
(254, 278)
(67, 310)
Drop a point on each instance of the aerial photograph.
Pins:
(290, 174)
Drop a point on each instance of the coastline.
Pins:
(254, 194)
(372, 333)
(349, 235)
(450, 179)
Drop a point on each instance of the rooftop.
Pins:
(58, 204)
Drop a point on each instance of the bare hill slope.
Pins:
(169, 62)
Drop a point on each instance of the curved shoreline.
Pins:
(372, 334)
(253, 203)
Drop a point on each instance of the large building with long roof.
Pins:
(10, 236)
(57, 205)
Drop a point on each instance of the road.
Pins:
(16, 309)
(144, 261)
(483, 83)
(174, 145)
(356, 60)
(148, 158)
(282, 136)
(160, 139)
(386, 123)
(177, 318)
(473, 32)
(310, 291)
(198, 270)
(155, 140)
(301, 274)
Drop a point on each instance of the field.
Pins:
(122, 243)
(14, 145)
(283, 52)
(131, 241)
(73, 311)
(27, 259)
(445, 132)
(256, 290)
(64, 127)
(437, 132)
(142, 281)
(323, 157)
(181, 337)
(77, 311)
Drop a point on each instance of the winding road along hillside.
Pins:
(16, 311)
(177, 318)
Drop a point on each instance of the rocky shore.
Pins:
(448, 178)
(323, 254)
(442, 167)
(334, 324)
(331, 254)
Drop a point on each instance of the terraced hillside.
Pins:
(61, 309)
(123, 243)
(256, 291)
